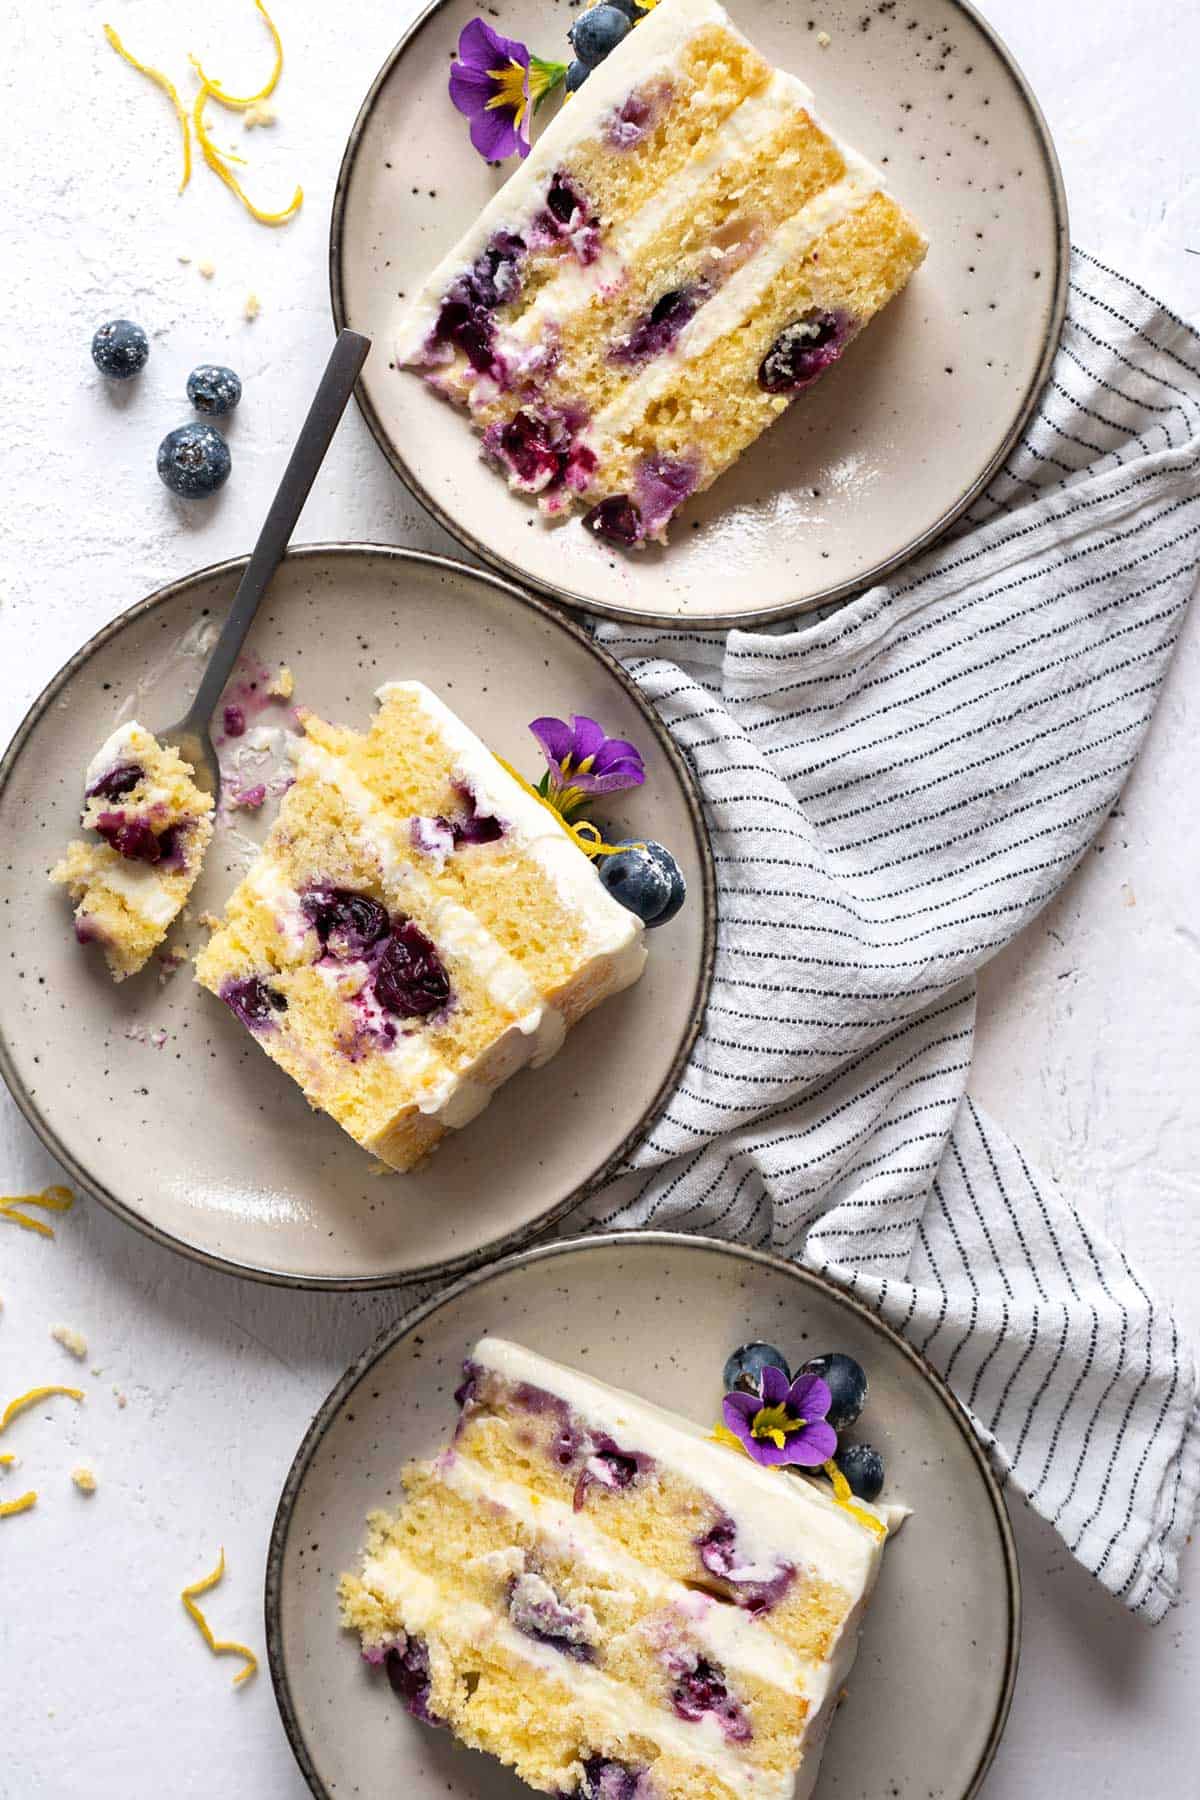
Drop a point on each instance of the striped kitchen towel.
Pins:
(893, 791)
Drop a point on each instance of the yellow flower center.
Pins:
(510, 91)
(776, 1424)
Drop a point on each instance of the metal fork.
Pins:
(191, 735)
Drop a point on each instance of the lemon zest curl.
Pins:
(51, 1199)
(24, 1401)
(9, 1507)
(842, 1494)
(239, 102)
(218, 1646)
(169, 89)
(219, 166)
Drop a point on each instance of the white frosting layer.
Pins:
(608, 928)
(142, 890)
(465, 1624)
(651, 50)
(777, 1517)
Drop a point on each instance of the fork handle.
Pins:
(337, 384)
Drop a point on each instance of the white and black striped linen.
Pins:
(893, 792)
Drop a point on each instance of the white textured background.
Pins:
(1087, 1048)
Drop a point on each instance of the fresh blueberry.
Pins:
(594, 34)
(646, 879)
(862, 1466)
(847, 1383)
(743, 1371)
(213, 390)
(120, 349)
(194, 461)
(577, 74)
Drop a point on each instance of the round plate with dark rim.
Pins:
(656, 1312)
(888, 449)
(154, 1098)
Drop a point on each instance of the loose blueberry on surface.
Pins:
(617, 519)
(847, 1383)
(597, 33)
(194, 461)
(120, 349)
(577, 74)
(234, 720)
(646, 880)
(743, 1371)
(213, 390)
(862, 1466)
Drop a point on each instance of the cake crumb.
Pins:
(84, 1479)
(1128, 896)
(182, 258)
(261, 113)
(210, 921)
(284, 684)
(73, 1341)
(120, 1398)
(253, 306)
(824, 39)
(207, 269)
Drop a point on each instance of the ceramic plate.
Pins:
(890, 447)
(151, 1094)
(657, 1312)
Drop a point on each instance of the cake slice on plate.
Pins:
(417, 927)
(686, 249)
(593, 1590)
(152, 826)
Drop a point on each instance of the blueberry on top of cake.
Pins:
(417, 927)
(687, 248)
(152, 826)
(593, 1590)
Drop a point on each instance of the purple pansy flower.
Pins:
(495, 82)
(583, 761)
(783, 1423)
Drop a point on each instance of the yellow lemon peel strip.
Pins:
(218, 1646)
(239, 102)
(219, 166)
(7, 1459)
(51, 1199)
(9, 1507)
(584, 834)
(23, 1401)
(169, 89)
(844, 1498)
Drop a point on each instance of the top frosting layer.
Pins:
(776, 1516)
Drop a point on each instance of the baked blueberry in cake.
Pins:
(418, 926)
(151, 826)
(686, 250)
(612, 1600)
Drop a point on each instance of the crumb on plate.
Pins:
(70, 1339)
(84, 1479)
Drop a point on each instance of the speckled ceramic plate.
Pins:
(656, 1312)
(887, 450)
(154, 1098)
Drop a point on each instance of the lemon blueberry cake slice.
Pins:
(152, 826)
(686, 249)
(617, 1606)
(417, 927)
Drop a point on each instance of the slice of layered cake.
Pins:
(152, 826)
(417, 927)
(686, 249)
(618, 1607)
